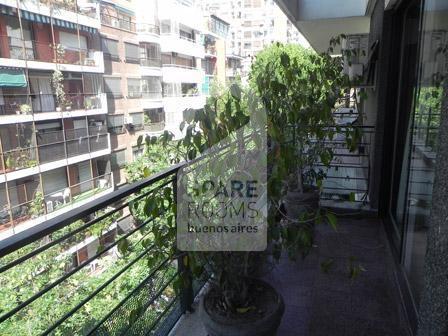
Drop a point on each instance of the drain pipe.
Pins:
(433, 316)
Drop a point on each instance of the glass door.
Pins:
(409, 55)
(425, 46)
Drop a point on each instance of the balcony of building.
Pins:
(37, 44)
(85, 13)
(31, 97)
(180, 68)
(148, 33)
(33, 199)
(316, 302)
(177, 38)
(150, 59)
(118, 17)
(29, 148)
(154, 120)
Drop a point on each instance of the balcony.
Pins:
(151, 67)
(85, 13)
(316, 302)
(155, 127)
(118, 23)
(56, 149)
(148, 32)
(28, 211)
(182, 45)
(24, 107)
(173, 73)
(41, 55)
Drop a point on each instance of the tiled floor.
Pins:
(333, 304)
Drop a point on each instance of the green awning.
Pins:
(12, 78)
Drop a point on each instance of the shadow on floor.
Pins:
(333, 304)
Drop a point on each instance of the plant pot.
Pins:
(297, 202)
(58, 109)
(68, 108)
(263, 320)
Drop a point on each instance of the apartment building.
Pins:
(54, 142)
(254, 24)
(122, 82)
(214, 65)
(182, 47)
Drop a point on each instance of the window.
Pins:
(137, 152)
(165, 26)
(115, 124)
(131, 52)
(126, 22)
(155, 116)
(247, 34)
(247, 45)
(112, 87)
(110, 48)
(186, 35)
(137, 120)
(150, 54)
(71, 42)
(171, 89)
(189, 89)
(134, 90)
(152, 87)
(118, 159)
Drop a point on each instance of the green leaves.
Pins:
(235, 91)
(123, 246)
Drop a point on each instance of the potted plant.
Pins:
(300, 90)
(58, 87)
(236, 302)
(37, 207)
(25, 109)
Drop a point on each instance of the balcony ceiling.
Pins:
(320, 20)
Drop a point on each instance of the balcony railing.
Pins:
(54, 146)
(148, 28)
(152, 95)
(31, 50)
(155, 127)
(150, 305)
(77, 192)
(21, 104)
(151, 62)
(145, 277)
(87, 8)
(116, 22)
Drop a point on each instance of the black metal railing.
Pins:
(348, 174)
(58, 269)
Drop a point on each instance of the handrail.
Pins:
(34, 233)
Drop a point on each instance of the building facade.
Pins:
(254, 25)
(79, 84)
(55, 144)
